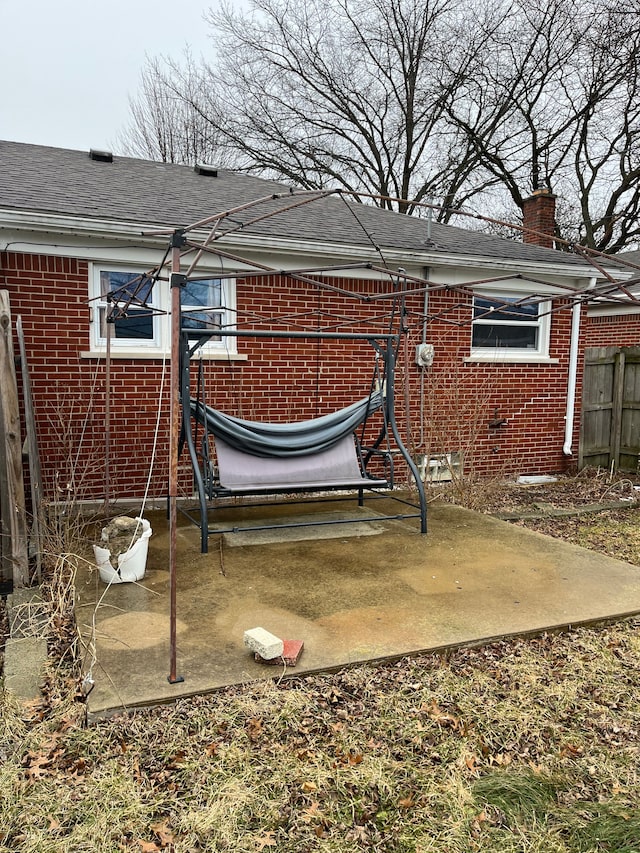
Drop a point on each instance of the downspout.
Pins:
(425, 309)
(423, 358)
(573, 371)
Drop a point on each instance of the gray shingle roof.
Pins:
(41, 179)
(633, 257)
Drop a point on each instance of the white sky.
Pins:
(67, 67)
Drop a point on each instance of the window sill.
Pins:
(140, 355)
(510, 359)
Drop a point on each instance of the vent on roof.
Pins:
(101, 156)
(205, 169)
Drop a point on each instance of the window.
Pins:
(439, 467)
(201, 304)
(507, 326)
(134, 311)
(126, 308)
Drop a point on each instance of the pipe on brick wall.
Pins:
(573, 373)
(425, 311)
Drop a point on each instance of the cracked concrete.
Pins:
(25, 650)
(350, 598)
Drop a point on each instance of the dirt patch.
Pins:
(498, 497)
(120, 535)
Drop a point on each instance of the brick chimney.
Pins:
(539, 215)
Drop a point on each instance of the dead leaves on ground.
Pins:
(409, 723)
(164, 835)
(51, 760)
(254, 729)
(444, 719)
(163, 838)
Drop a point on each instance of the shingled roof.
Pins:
(44, 180)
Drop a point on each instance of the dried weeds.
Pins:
(520, 744)
(499, 496)
(524, 744)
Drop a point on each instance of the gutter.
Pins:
(573, 372)
(54, 225)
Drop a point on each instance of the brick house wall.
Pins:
(464, 397)
(50, 294)
(619, 330)
(450, 405)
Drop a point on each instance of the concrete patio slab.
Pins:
(333, 529)
(349, 598)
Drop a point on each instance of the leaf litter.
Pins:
(522, 744)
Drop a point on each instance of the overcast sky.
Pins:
(67, 67)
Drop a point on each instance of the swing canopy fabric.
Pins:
(284, 440)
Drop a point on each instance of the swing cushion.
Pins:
(284, 440)
(334, 468)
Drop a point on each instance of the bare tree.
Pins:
(607, 153)
(171, 119)
(477, 103)
(346, 93)
(555, 104)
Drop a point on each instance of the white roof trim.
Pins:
(27, 231)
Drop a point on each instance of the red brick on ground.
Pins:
(290, 655)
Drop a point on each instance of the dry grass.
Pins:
(616, 533)
(499, 495)
(522, 745)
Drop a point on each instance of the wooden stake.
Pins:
(33, 455)
(14, 526)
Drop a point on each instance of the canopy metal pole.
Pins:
(177, 282)
(107, 417)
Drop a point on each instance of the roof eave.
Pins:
(150, 234)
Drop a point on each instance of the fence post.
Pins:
(13, 511)
(33, 454)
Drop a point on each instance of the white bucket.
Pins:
(131, 564)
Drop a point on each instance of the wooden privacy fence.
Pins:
(610, 428)
(14, 562)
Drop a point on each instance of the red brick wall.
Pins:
(539, 215)
(450, 404)
(613, 331)
(462, 398)
(51, 296)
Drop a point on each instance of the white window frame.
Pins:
(542, 323)
(100, 309)
(160, 345)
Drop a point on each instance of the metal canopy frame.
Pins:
(221, 224)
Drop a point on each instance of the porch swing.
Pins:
(324, 454)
